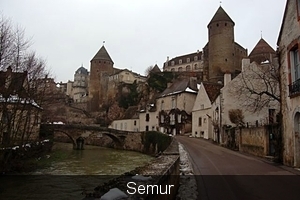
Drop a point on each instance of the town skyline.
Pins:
(134, 39)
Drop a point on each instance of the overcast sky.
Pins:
(137, 33)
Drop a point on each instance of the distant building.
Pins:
(126, 76)
(80, 85)
(219, 56)
(105, 79)
(101, 68)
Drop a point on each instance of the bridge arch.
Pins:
(72, 139)
(115, 138)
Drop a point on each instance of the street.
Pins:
(225, 174)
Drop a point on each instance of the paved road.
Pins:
(225, 174)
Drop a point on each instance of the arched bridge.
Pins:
(90, 133)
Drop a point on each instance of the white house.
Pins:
(202, 113)
(130, 121)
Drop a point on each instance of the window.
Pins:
(172, 63)
(162, 119)
(134, 122)
(147, 117)
(173, 103)
(188, 68)
(162, 105)
(125, 126)
(295, 64)
(294, 68)
(188, 60)
(195, 66)
(195, 58)
(298, 10)
(179, 118)
(172, 119)
(200, 121)
(271, 116)
(147, 128)
(180, 69)
(173, 70)
(180, 61)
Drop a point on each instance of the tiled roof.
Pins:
(179, 86)
(261, 52)
(155, 69)
(131, 113)
(220, 15)
(183, 58)
(212, 90)
(102, 54)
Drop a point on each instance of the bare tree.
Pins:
(148, 70)
(20, 95)
(258, 86)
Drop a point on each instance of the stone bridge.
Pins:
(75, 132)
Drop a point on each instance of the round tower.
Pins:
(220, 46)
(101, 67)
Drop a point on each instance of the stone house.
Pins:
(129, 122)
(202, 113)
(175, 106)
(20, 114)
(289, 58)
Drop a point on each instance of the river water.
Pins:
(67, 172)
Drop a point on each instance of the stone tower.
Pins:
(101, 68)
(224, 55)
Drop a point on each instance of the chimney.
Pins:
(245, 64)
(193, 83)
(167, 58)
(227, 78)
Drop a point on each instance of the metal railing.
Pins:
(294, 88)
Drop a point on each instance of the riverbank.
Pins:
(19, 159)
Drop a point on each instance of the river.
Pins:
(66, 173)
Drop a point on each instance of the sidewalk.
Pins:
(293, 170)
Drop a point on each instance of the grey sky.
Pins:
(137, 33)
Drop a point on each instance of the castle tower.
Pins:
(221, 52)
(101, 67)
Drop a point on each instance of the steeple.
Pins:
(220, 15)
(102, 54)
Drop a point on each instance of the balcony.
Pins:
(294, 88)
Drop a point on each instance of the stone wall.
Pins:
(164, 171)
(254, 141)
